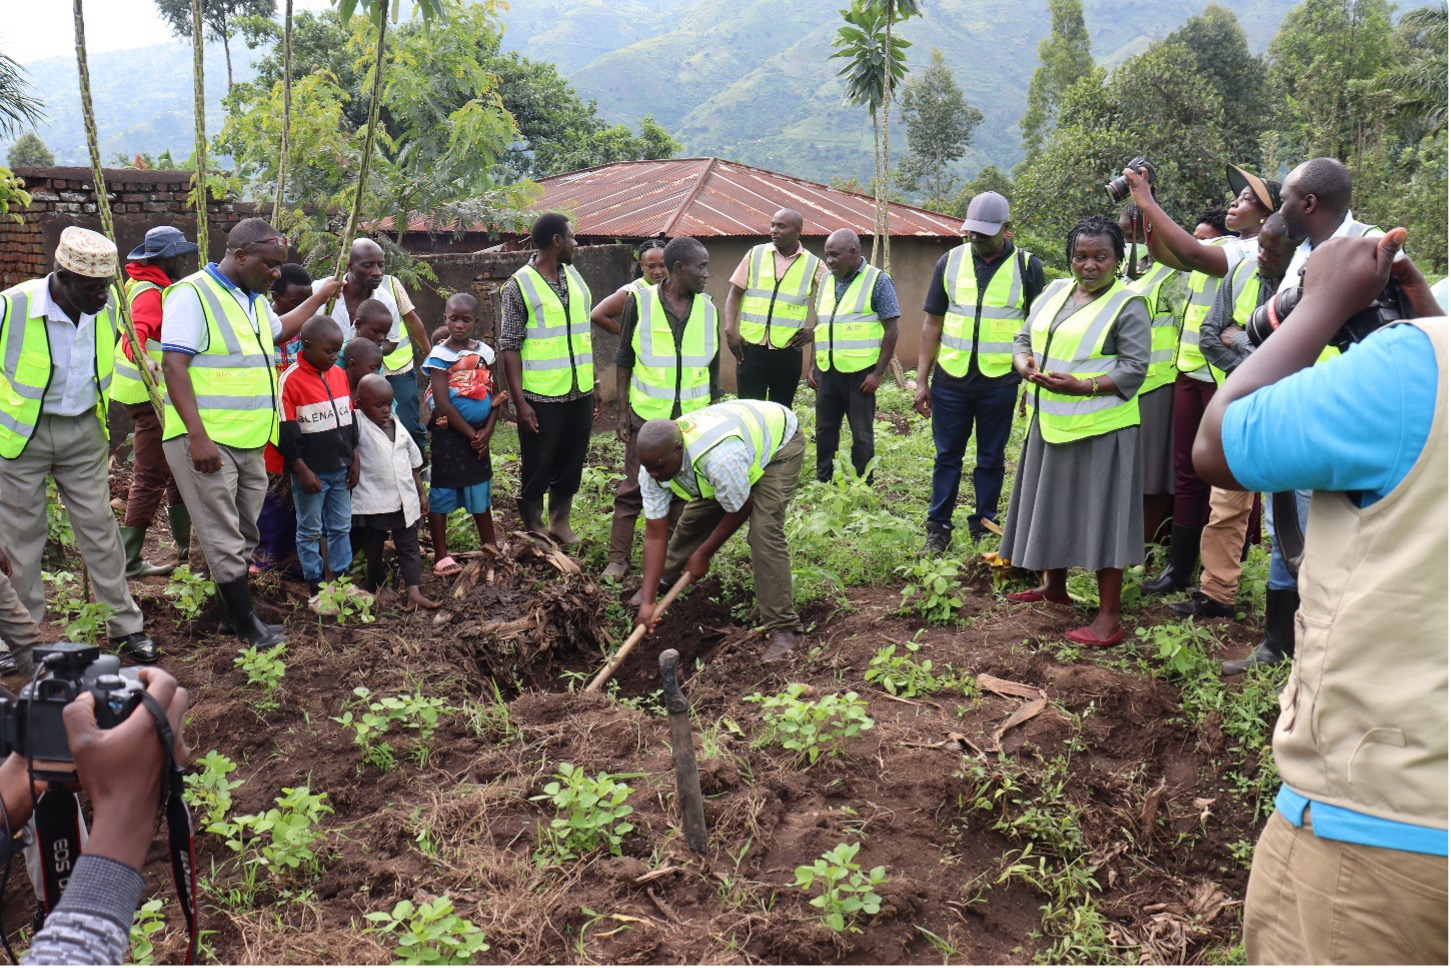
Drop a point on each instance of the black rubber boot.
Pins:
(136, 566)
(1183, 556)
(531, 514)
(1278, 644)
(237, 605)
(180, 520)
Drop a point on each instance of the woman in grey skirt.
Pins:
(1077, 499)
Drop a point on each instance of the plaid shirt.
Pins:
(516, 318)
(727, 466)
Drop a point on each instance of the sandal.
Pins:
(1085, 636)
(446, 567)
(1034, 595)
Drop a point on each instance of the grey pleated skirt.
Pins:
(1077, 505)
(1156, 438)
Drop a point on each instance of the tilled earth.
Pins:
(931, 792)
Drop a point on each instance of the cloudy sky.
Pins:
(49, 29)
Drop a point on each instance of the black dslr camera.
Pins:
(32, 726)
(1118, 189)
(1390, 306)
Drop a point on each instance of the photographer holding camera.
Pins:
(123, 770)
(1351, 867)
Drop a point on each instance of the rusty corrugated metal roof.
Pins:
(707, 197)
(710, 197)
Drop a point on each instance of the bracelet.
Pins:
(1093, 386)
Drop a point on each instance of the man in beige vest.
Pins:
(1351, 867)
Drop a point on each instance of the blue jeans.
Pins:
(328, 512)
(1280, 577)
(405, 405)
(953, 413)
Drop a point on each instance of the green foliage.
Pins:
(873, 66)
(340, 599)
(88, 620)
(281, 839)
(589, 814)
(1222, 58)
(29, 150)
(902, 675)
(210, 791)
(1064, 58)
(12, 195)
(18, 106)
(934, 588)
(989, 179)
(811, 727)
(1180, 648)
(429, 933)
(939, 123)
(189, 592)
(414, 711)
(845, 891)
(264, 669)
(147, 921)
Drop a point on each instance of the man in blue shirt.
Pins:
(1351, 867)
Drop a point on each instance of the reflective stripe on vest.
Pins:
(1076, 348)
(1202, 289)
(557, 354)
(401, 359)
(772, 309)
(28, 368)
(760, 424)
(988, 320)
(1244, 288)
(128, 388)
(848, 332)
(1164, 334)
(667, 374)
(233, 379)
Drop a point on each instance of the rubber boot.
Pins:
(531, 513)
(237, 605)
(559, 529)
(180, 519)
(1183, 556)
(137, 567)
(1281, 604)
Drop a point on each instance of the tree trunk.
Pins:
(876, 181)
(286, 112)
(366, 161)
(199, 192)
(884, 185)
(226, 33)
(103, 209)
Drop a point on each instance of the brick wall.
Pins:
(140, 200)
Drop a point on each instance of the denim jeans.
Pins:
(405, 405)
(953, 413)
(1281, 578)
(328, 513)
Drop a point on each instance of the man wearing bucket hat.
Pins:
(1208, 264)
(979, 296)
(151, 267)
(57, 358)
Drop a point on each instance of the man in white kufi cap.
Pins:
(57, 357)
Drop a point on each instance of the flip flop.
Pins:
(1034, 595)
(1085, 636)
(446, 567)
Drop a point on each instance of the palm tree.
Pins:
(896, 11)
(286, 110)
(18, 107)
(199, 173)
(103, 207)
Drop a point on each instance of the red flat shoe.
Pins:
(1034, 595)
(1085, 636)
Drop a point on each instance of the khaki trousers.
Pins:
(224, 506)
(1222, 543)
(770, 554)
(1323, 902)
(18, 630)
(73, 451)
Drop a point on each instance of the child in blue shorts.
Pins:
(464, 415)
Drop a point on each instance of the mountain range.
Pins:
(749, 80)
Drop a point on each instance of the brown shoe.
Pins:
(781, 645)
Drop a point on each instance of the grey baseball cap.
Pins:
(986, 213)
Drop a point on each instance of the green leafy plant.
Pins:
(210, 791)
(844, 891)
(88, 620)
(341, 599)
(902, 675)
(1180, 649)
(278, 842)
(934, 589)
(147, 921)
(589, 813)
(811, 727)
(417, 712)
(264, 669)
(189, 592)
(429, 933)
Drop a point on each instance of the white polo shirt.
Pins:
(1297, 264)
(72, 390)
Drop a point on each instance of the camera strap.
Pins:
(1288, 533)
(58, 833)
(180, 838)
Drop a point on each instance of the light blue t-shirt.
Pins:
(1356, 423)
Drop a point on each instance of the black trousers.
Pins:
(405, 544)
(769, 374)
(837, 396)
(553, 459)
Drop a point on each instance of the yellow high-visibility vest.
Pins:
(128, 388)
(986, 320)
(669, 374)
(557, 353)
(1164, 334)
(759, 423)
(772, 309)
(848, 330)
(1202, 289)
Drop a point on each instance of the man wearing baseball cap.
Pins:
(152, 266)
(979, 296)
(57, 358)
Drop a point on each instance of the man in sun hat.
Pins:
(57, 358)
(151, 267)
